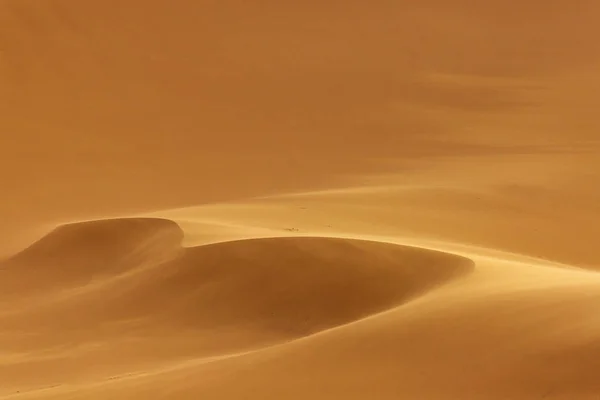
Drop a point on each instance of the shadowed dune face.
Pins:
(302, 285)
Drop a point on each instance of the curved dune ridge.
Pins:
(306, 283)
(254, 310)
(76, 254)
(99, 276)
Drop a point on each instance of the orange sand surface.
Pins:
(299, 200)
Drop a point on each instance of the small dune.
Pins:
(76, 254)
(295, 285)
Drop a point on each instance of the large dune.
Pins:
(299, 200)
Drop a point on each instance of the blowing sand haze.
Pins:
(318, 200)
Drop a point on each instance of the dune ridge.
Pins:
(278, 303)
(77, 254)
(320, 301)
(236, 295)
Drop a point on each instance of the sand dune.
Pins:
(258, 311)
(227, 297)
(324, 200)
(78, 254)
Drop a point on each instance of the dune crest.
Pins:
(104, 276)
(79, 253)
(321, 281)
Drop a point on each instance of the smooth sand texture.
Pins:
(299, 200)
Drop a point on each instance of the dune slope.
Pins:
(132, 279)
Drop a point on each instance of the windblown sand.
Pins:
(299, 200)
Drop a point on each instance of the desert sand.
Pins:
(299, 200)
